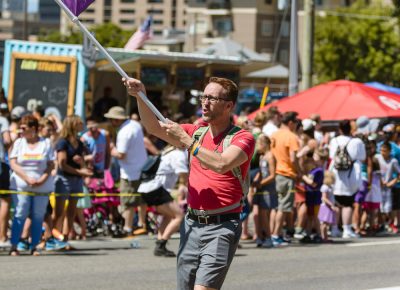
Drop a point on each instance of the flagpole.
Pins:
(87, 33)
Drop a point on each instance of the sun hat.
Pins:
(116, 112)
(308, 124)
(362, 123)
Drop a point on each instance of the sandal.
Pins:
(35, 252)
(14, 252)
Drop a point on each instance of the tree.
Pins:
(108, 34)
(356, 46)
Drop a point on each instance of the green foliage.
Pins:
(359, 49)
(108, 34)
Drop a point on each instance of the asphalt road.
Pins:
(113, 264)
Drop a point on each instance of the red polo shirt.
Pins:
(208, 189)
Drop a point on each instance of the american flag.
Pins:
(141, 35)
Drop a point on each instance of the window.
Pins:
(157, 32)
(128, 1)
(267, 28)
(127, 21)
(107, 2)
(155, 1)
(285, 29)
(107, 13)
(89, 10)
(268, 2)
(284, 56)
(158, 22)
(154, 11)
(223, 26)
(127, 11)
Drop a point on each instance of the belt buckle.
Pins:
(203, 218)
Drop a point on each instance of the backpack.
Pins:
(342, 160)
(150, 167)
(198, 135)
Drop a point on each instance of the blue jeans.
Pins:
(35, 208)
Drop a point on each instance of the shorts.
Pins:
(312, 210)
(395, 198)
(266, 198)
(313, 198)
(206, 252)
(130, 187)
(344, 200)
(371, 205)
(386, 204)
(362, 193)
(4, 180)
(157, 197)
(285, 191)
(65, 185)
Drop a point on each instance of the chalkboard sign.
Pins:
(189, 78)
(49, 81)
(154, 77)
(228, 74)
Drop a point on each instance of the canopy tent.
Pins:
(340, 100)
(384, 87)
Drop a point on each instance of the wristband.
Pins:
(196, 150)
(196, 144)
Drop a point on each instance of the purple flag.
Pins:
(77, 6)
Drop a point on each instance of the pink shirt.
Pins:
(208, 189)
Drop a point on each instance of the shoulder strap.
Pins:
(199, 134)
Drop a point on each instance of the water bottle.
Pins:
(135, 244)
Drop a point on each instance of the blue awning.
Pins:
(384, 87)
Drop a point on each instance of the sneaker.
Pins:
(393, 229)
(161, 249)
(267, 244)
(5, 244)
(259, 242)
(140, 231)
(335, 233)
(299, 233)
(350, 235)
(306, 240)
(279, 242)
(23, 245)
(53, 244)
(316, 239)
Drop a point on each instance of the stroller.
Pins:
(103, 216)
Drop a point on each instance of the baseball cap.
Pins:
(18, 112)
(362, 123)
(308, 124)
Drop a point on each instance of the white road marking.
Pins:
(381, 243)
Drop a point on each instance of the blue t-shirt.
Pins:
(317, 175)
(97, 147)
(65, 145)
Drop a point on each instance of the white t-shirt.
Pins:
(328, 190)
(269, 128)
(347, 183)
(34, 163)
(172, 164)
(375, 192)
(130, 141)
(4, 126)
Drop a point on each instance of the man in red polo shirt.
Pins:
(211, 230)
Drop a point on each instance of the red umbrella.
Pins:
(340, 100)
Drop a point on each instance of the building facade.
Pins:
(129, 14)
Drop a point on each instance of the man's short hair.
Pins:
(230, 87)
(345, 127)
(272, 112)
(289, 116)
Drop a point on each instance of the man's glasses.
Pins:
(211, 99)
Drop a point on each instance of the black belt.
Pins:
(213, 219)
